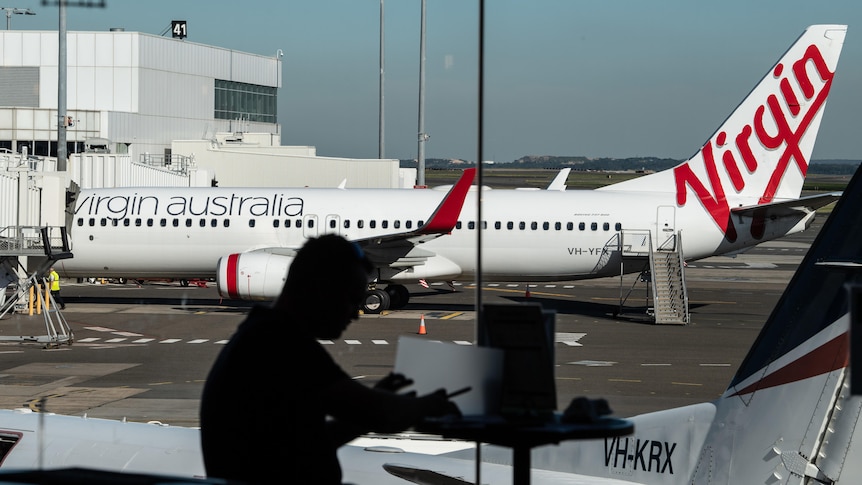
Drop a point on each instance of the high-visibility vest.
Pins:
(55, 281)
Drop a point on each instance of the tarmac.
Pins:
(142, 352)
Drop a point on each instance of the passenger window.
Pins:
(372, 224)
(275, 223)
(471, 225)
(126, 222)
(546, 225)
(534, 225)
(396, 224)
(510, 225)
(408, 224)
(202, 222)
(188, 223)
(226, 223)
(522, 225)
(138, 222)
(347, 223)
(176, 222)
(384, 224)
(332, 224)
(582, 226)
(310, 223)
(80, 221)
(251, 223)
(594, 226)
(298, 223)
(213, 222)
(360, 224)
(150, 222)
(287, 223)
(420, 223)
(458, 225)
(570, 226)
(606, 226)
(163, 223)
(497, 225)
(618, 226)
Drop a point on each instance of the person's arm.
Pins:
(358, 409)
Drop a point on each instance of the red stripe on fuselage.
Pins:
(832, 355)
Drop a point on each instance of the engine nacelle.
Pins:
(252, 276)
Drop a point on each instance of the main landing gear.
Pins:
(392, 297)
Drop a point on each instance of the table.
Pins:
(524, 435)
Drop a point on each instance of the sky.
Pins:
(627, 78)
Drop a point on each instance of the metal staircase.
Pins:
(664, 274)
(670, 298)
(50, 243)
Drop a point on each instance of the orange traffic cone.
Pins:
(422, 325)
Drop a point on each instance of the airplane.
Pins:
(789, 414)
(741, 188)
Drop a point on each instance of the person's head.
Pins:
(325, 285)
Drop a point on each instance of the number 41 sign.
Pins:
(179, 29)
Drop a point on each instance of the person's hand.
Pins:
(437, 404)
(393, 382)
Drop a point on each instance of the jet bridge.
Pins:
(48, 244)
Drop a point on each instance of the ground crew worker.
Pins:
(54, 278)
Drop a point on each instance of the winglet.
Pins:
(443, 219)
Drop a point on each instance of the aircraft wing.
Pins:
(385, 250)
(787, 208)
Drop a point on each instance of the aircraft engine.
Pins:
(252, 276)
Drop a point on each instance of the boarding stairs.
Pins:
(48, 244)
(665, 274)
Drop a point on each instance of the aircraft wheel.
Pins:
(122, 281)
(399, 295)
(184, 282)
(375, 301)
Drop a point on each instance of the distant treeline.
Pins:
(824, 167)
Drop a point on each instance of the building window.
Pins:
(235, 100)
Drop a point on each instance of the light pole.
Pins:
(16, 11)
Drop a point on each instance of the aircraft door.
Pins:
(665, 234)
(332, 225)
(309, 226)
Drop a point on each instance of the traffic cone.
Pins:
(527, 293)
(422, 325)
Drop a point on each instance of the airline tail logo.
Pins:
(771, 128)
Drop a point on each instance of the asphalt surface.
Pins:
(142, 352)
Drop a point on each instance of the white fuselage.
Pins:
(530, 235)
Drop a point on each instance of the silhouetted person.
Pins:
(276, 406)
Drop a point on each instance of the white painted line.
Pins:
(325, 342)
(128, 334)
(512, 285)
(198, 341)
(100, 329)
(170, 341)
(463, 342)
(115, 340)
(380, 342)
(221, 342)
(714, 365)
(655, 365)
(88, 340)
(143, 341)
(569, 338)
(353, 342)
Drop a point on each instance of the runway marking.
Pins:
(198, 341)
(100, 329)
(380, 342)
(142, 340)
(569, 378)
(451, 315)
(326, 342)
(714, 365)
(593, 363)
(693, 384)
(115, 340)
(655, 365)
(570, 339)
(170, 341)
(634, 381)
(88, 340)
(12, 352)
(463, 342)
(353, 342)
(127, 334)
